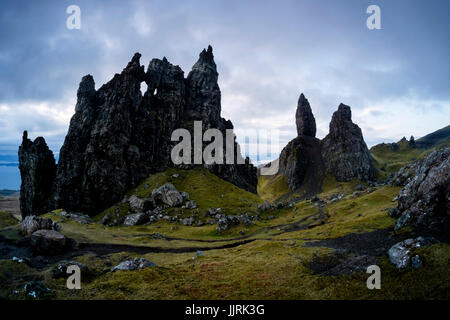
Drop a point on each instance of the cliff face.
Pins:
(346, 154)
(423, 203)
(117, 136)
(37, 169)
(300, 160)
(342, 153)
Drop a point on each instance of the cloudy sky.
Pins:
(395, 79)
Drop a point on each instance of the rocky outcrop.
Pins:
(135, 219)
(300, 161)
(302, 164)
(424, 201)
(135, 264)
(117, 136)
(402, 254)
(304, 118)
(30, 224)
(344, 151)
(48, 242)
(38, 170)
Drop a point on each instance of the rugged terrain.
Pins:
(139, 227)
(312, 249)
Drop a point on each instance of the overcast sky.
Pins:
(267, 52)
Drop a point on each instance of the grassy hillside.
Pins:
(208, 191)
(272, 188)
(439, 138)
(278, 259)
(389, 160)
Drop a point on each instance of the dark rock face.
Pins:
(424, 201)
(304, 118)
(302, 164)
(38, 170)
(117, 136)
(300, 161)
(412, 142)
(344, 150)
(343, 153)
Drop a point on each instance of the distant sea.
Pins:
(9, 177)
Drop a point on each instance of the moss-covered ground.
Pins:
(388, 161)
(268, 260)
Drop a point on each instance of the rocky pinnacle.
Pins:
(304, 118)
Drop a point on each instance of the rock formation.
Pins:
(424, 201)
(117, 136)
(343, 153)
(37, 169)
(344, 150)
(300, 160)
(304, 118)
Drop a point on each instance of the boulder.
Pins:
(135, 264)
(191, 205)
(30, 224)
(36, 290)
(265, 206)
(187, 221)
(400, 254)
(223, 224)
(135, 219)
(140, 205)
(77, 216)
(424, 202)
(48, 242)
(167, 194)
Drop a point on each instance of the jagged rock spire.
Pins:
(344, 151)
(118, 136)
(203, 92)
(206, 57)
(37, 170)
(304, 118)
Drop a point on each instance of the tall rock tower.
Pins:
(300, 160)
(344, 151)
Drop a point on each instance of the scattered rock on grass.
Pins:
(36, 290)
(265, 206)
(135, 219)
(30, 224)
(135, 264)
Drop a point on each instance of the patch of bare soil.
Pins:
(353, 252)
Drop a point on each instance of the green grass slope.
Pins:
(208, 191)
(388, 160)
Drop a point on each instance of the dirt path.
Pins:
(375, 243)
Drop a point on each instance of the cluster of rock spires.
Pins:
(117, 137)
(306, 160)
